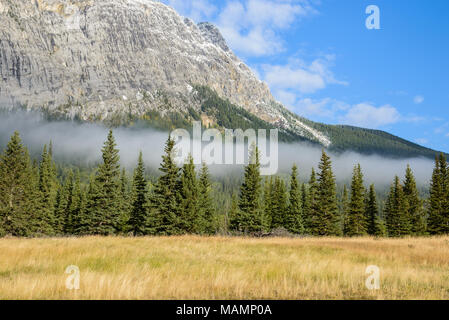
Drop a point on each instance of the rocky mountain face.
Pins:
(96, 59)
(109, 60)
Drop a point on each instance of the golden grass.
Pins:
(224, 268)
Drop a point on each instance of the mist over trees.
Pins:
(43, 198)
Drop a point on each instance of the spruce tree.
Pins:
(189, 217)
(345, 210)
(63, 203)
(18, 189)
(312, 217)
(48, 191)
(444, 178)
(294, 221)
(234, 215)
(75, 207)
(206, 211)
(249, 218)
(268, 204)
(357, 224)
(139, 208)
(327, 200)
(103, 202)
(163, 219)
(125, 200)
(305, 203)
(435, 219)
(376, 226)
(415, 204)
(397, 218)
(279, 204)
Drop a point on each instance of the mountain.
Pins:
(120, 61)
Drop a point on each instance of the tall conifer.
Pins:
(357, 224)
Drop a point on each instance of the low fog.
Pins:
(82, 143)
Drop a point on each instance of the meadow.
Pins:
(192, 267)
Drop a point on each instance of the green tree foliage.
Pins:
(294, 221)
(268, 204)
(63, 202)
(35, 201)
(126, 201)
(345, 209)
(189, 199)
(375, 225)
(75, 207)
(139, 209)
(416, 211)
(164, 219)
(327, 200)
(48, 188)
(103, 198)
(396, 211)
(249, 215)
(435, 219)
(279, 212)
(356, 221)
(438, 220)
(206, 209)
(18, 190)
(311, 208)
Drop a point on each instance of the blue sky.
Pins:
(321, 61)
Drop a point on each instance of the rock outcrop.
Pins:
(96, 59)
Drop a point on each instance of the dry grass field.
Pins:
(224, 268)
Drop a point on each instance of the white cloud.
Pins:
(197, 10)
(325, 108)
(418, 99)
(251, 26)
(368, 116)
(301, 77)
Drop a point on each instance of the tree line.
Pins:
(36, 201)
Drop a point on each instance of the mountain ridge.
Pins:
(112, 60)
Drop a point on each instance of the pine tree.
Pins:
(233, 215)
(294, 221)
(75, 208)
(18, 189)
(249, 218)
(189, 217)
(206, 208)
(357, 224)
(444, 178)
(63, 203)
(345, 210)
(48, 191)
(86, 221)
(139, 208)
(305, 204)
(279, 204)
(103, 198)
(327, 200)
(435, 220)
(312, 217)
(268, 204)
(163, 219)
(376, 226)
(125, 200)
(415, 204)
(398, 222)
